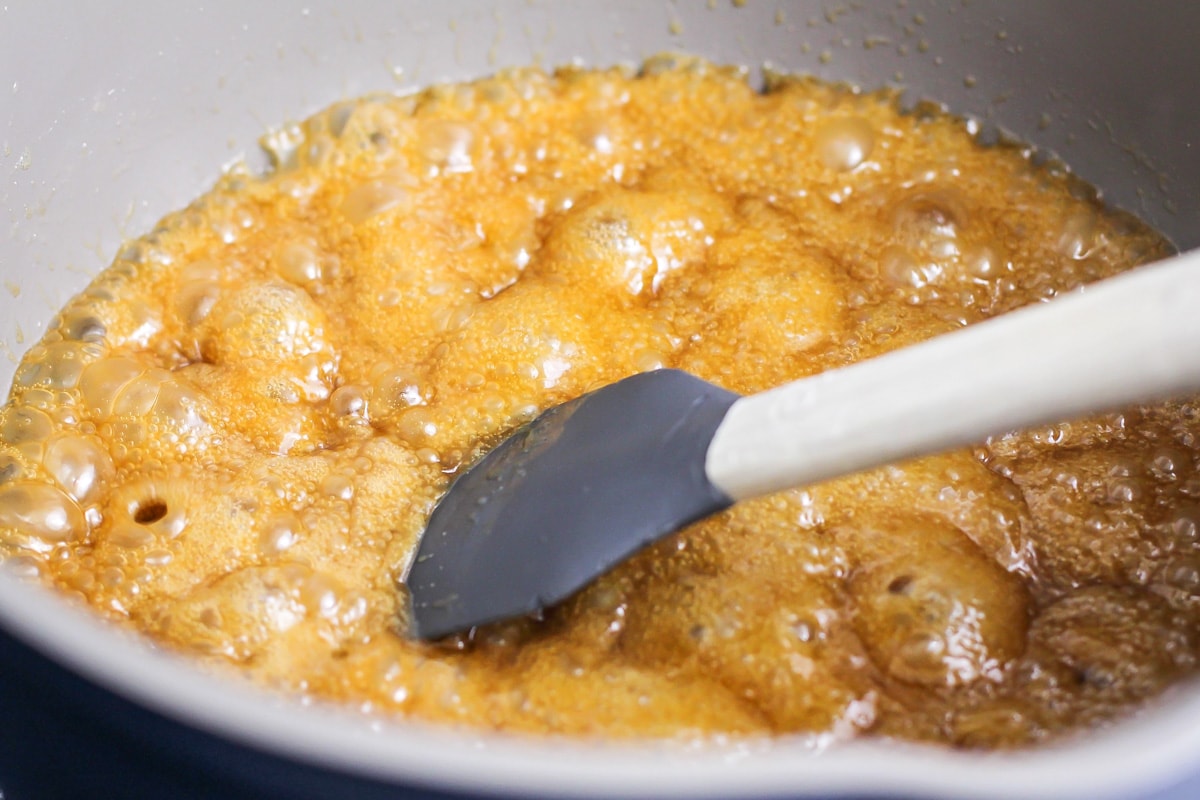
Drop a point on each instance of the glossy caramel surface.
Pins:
(231, 440)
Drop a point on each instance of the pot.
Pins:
(117, 114)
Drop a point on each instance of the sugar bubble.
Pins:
(80, 465)
(843, 143)
(39, 517)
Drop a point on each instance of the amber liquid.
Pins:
(231, 440)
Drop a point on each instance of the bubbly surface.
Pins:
(231, 440)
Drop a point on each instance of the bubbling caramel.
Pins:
(230, 441)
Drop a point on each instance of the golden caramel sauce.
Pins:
(231, 440)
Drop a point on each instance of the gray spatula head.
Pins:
(565, 498)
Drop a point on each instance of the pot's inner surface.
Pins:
(231, 440)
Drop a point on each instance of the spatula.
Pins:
(590, 482)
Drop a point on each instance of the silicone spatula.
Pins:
(590, 482)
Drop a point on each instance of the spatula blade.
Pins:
(565, 498)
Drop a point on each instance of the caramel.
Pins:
(230, 441)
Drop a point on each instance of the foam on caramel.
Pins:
(230, 441)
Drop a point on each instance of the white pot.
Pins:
(114, 114)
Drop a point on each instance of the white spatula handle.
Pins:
(1129, 339)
